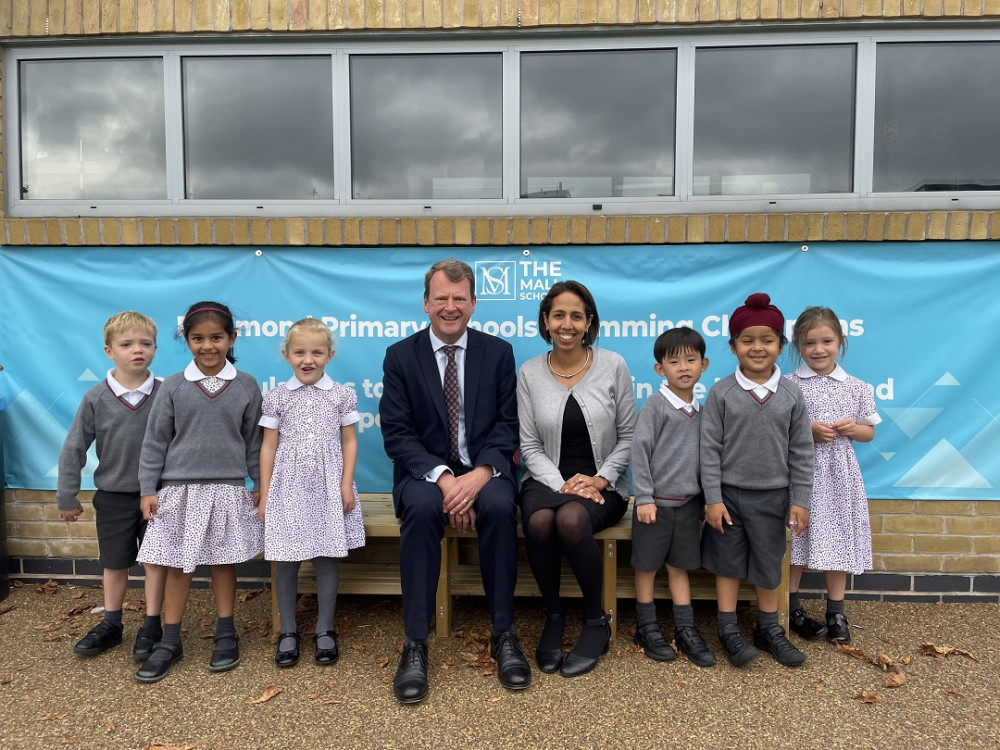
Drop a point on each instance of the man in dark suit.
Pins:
(452, 465)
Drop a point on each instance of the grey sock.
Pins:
(327, 581)
(286, 583)
(225, 631)
(152, 621)
(793, 601)
(171, 637)
(113, 616)
(767, 618)
(683, 616)
(727, 620)
(834, 607)
(645, 613)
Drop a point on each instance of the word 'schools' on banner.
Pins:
(921, 320)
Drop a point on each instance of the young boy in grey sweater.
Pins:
(668, 500)
(114, 413)
(757, 474)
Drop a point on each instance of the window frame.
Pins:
(685, 41)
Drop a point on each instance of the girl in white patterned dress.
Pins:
(842, 412)
(202, 442)
(309, 503)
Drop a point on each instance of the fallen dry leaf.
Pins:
(466, 656)
(358, 646)
(313, 696)
(111, 727)
(884, 660)
(333, 702)
(164, 746)
(249, 594)
(953, 694)
(49, 587)
(269, 692)
(79, 595)
(818, 685)
(857, 653)
(7, 608)
(906, 660)
(865, 697)
(382, 661)
(6, 680)
(494, 698)
(895, 679)
(344, 623)
(47, 628)
(889, 641)
(940, 652)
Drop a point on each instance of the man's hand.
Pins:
(458, 494)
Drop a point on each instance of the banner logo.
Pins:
(496, 279)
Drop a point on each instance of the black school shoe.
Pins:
(154, 671)
(289, 657)
(224, 659)
(653, 643)
(101, 637)
(837, 628)
(692, 645)
(326, 656)
(737, 649)
(804, 626)
(772, 638)
(145, 640)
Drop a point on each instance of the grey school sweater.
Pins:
(665, 454)
(118, 428)
(193, 438)
(753, 445)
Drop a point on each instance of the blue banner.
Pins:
(920, 319)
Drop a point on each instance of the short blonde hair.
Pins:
(128, 320)
(309, 325)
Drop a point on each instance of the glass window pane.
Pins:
(773, 120)
(597, 124)
(427, 126)
(92, 129)
(258, 128)
(936, 112)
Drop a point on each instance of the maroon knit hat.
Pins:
(756, 311)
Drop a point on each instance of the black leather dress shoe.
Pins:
(575, 664)
(410, 683)
(288, 657)
(804, 626)
(156, 670)
(145, 639)
(101, 637)
(227, 657)
(326, 656)
(653, 643)
(512, 668)
(837, 628)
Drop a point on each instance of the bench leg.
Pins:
(449, 557)
(783, 589)
(610, 584)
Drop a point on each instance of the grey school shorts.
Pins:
(673, 539)
(120, 528)
(754, 545)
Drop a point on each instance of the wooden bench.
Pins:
(374, 569)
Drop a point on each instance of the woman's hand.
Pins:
(589, 487)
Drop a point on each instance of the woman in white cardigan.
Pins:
(577, 415)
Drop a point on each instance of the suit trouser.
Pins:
(423, 522)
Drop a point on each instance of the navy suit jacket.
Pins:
(415, 420)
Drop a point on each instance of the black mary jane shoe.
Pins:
(224, 659)
(326, 656)
(154, 671)
(288, 657)
(550, 659)
(574, 664)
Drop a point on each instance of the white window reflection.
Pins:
(773, 120)
(597, 124)
(92, 129)
(936, 113)
(258, 128)
(427, 126)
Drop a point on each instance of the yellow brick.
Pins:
(425, 231)
(481, 231)
(508, 12)
(336, 17)
(736, 228)
(668, 11)
(916, 226)
(238, 12)
(995, 226)
(314, 231)
(72, 548)
(687, 10)
(185, 231)
(635, 230)
(850, 8)
(696, 229)
(463, 231)
(973, 525)
(241, 231)
(958, 226)
(913, 524)
(57, 19)
(164, 16)
(756, 226)
(938, 225)
(202, 15)
(203, 231)
(500, 231)
(130, 231)
(895, 228)
(277, 231)
(979, 229)
(875, 227)
(445, 231)
(972, 564)
(890, 506)
(39, 496)
(432, 14)
(812, 8)
(147, 231)
(616, 230)
(296, 232)
(776, 227)
(991, 8)
(558, 230)
(15, 231)
(790, 9)
(647, 11)
(111, 231)
(222, 229)
(539, 231)
(676, 230)
(855, 227)
(182, 15)
(72, 230)
(27, 548)
(521, 231)
(911, 7)
(892, 543)
(451, 13)
(91, 231)
(567, 12)
(952, 7)
(815, 227)
(988, 508)
(24, 512)
(768, 9)
(835, 226)
(145, 16)
(91, 16)
(407, 231)
(871, 8)
(944, 507)
(749, 10)
(259, 14)
(53, 232)
(796, 227)
(40, 530)
(708, 11)
(547, 12)
(352, 231)
(981, 545)
(597, 232)
(609, 12)
(36, 231)
(578, 230)
(167, 230)
(393, 14)
(82, 530)
(908, 563)
(892, 8)
(37, 18)
(278, 20)
(952, 545)
(258, 231)
(478, 14)
(334, 231)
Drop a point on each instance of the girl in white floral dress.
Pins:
(309, 503)
(841, 412)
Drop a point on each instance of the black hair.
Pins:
(677, 340)
(208, 310)
(589, 308)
